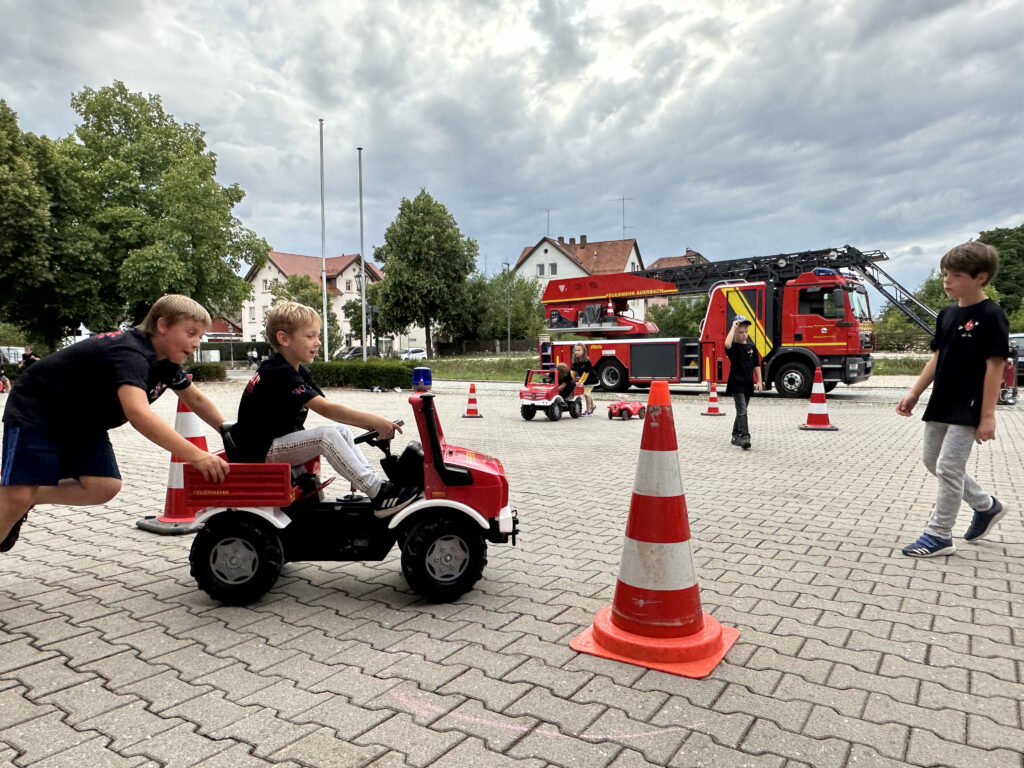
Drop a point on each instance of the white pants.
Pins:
(336, 444)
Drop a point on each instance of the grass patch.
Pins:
(898, 366)
(482, 367)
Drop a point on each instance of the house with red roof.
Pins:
(343, 279)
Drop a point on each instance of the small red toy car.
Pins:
(540, 393)
(627, 409)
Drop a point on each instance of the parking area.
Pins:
(849, 653)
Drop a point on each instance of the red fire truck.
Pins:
(805, 313)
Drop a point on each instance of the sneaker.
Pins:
(735, 440)
(983, 522)
(744, 442)
(391, 498)
(12, 535)
(929, 546)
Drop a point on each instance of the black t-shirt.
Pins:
(273, 404)
(579, 367)
(965, 338)
(743, 358)
(74, 391)
(566, 386)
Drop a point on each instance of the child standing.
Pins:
(272, 412)
(969, 347)
(56, 449)
(744, 376)
(583, 369)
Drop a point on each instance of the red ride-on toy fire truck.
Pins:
(265, 515)
(626, 409)
(540, 393)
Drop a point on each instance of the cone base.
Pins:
(694, 656)
(166, 527)
(719, 413)
(826, 428)
(472, 415)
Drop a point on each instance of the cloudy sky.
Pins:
(736, 127)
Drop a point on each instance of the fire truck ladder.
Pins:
(782, 267)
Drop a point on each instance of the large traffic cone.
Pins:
(471, 411)
(817, 414)
(178, 517)
(655, 619)
(713, 409)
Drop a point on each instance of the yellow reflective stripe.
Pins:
(741, 306)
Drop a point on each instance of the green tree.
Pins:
(426, 262)
(1010, 278)
(932, 295)
(680, 317)
(163, 223)
(302, 289)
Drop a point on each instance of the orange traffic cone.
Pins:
(713, 403)
(655, 620)
(178, 517)
(471, 411)
(817, 415)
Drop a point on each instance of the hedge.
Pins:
(208, 371)
(375, 372)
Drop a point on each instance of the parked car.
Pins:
(413, 353)
(340, 354)
(356, 353)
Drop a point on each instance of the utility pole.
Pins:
(508, 293)
(362, 258)
(623, 200)
(549, 210)
(323, 241)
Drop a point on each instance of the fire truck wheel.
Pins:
(236, 558)
(642, 413)
(793, 380)
(443, 556)
(528, 411)
(555, 411)
(576, 408)
(612, 377)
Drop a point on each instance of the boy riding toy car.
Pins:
(540, 393)
(265, 515)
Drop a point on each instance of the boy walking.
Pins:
(272, 412)
(744, 376)
(56, 449)
(971, 339)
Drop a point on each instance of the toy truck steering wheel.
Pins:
(373, 438)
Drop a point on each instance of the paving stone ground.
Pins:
(849, 653)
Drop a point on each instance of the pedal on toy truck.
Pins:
(265, 515)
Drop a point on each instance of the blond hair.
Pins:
(562, 369)
(288, 316)
(174, 308)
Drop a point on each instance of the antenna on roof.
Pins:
(623, 200)
(549, 210)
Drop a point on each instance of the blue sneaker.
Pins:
(983, 522)
(929, 546)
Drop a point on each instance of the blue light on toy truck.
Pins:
(421, 379)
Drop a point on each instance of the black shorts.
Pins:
(30, 457)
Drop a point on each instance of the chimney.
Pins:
(572, 241)
(561, 240)
(583, 241)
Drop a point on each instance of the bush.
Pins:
(208, 371)
(12, 370)
(355, 373)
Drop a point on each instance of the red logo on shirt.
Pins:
(969, 325)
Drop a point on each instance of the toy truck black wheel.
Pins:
(236, 560)
(625, 414)
(793, 380)
(641, 414)
(555, 411)
(612, 377)
(576, 408)
(528, 411)
(611, 414)
(443, 556)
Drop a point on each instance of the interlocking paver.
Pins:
(849, 653)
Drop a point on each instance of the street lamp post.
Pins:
(362, 257)
(508, 295)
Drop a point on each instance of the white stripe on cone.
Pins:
(188, 424)
(176, 475)
(657, 474)
(648, 565)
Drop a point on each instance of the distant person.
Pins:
(28, 359)
(744, 376)
(273, 409)
(966, 367)
(583, 369)
(253, 357)
(56, 449)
